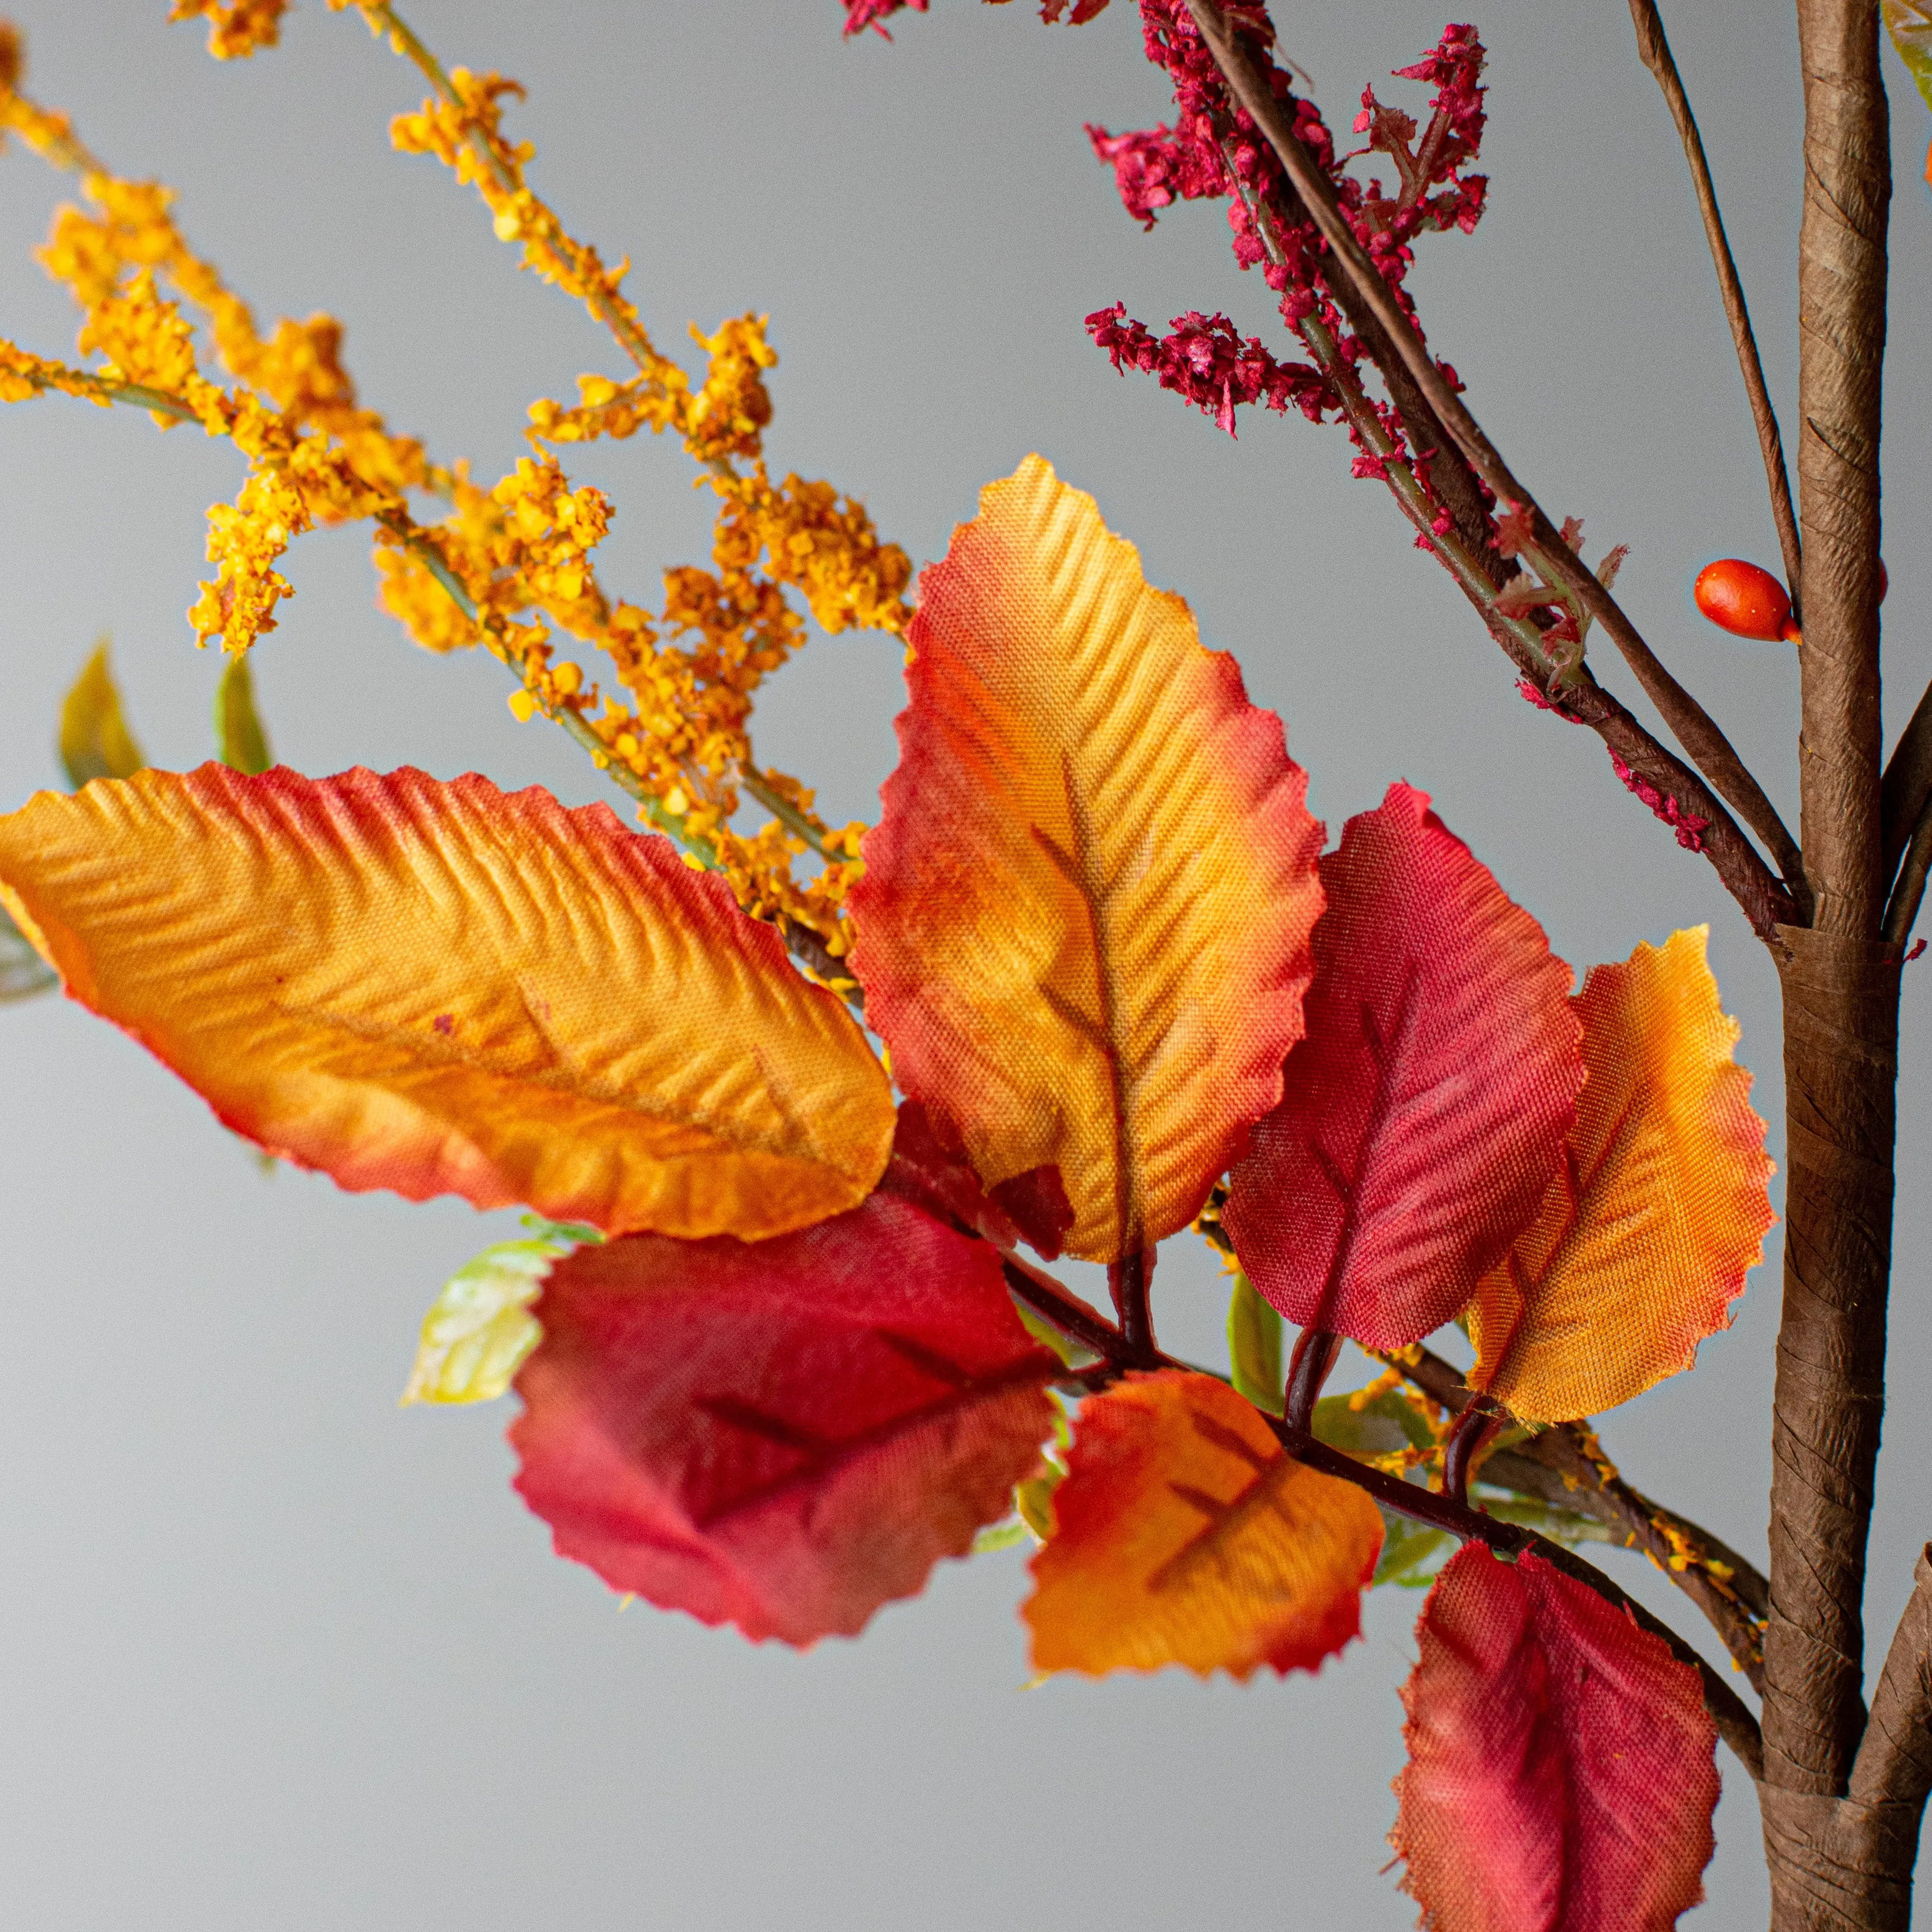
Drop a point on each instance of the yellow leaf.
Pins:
(440, 988)
(479, 1328)
(1183, 1534)
(1644, 1239)
(1083, 927)
(95, 740)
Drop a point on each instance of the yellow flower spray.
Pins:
(512, 565)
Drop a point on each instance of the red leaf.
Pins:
(1423, 1114)
(1561, 1775)
(783, 1435)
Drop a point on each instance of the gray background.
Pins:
(277, 1653)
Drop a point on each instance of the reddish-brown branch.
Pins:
(1709, 748)
(1068, 1312)
(1566, 1466)
(1469, 553)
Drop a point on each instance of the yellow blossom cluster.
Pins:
(461, 124)
(315, 456)
(235, 28)
(510, 565)
(23, 376)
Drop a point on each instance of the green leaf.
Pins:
(1074, 1354)
(1567, 1527)
(1002, 1536)
(1032, 1499)
(23, 973)
(571, 1234)
(479, 1329)
(1411, 1552)
(1909, 23)
(1254, 1347)
(1379, 1427)
(239, 739)
(95, 740)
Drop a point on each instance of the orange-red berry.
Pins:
(1739, 598)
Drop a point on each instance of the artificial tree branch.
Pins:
(1654, 50)
(1893, 1765)
(1566, 1466)
(1840, 978)
(1902, 906)
(1709, 748)
(1118, 1356)
(1906, 786)
(1479, 571)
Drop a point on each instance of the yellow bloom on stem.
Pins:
(236, 29)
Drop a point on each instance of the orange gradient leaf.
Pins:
(1661, 1208)
(1560, 1775)
(783, 1436)
(1183, 1534)
(1083, 929)
(443, 989)
(1423, 1115)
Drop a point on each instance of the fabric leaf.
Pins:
(240, 741)
(1560, 1775)
(1662, 1204)
(95, 740)
(1423, 1116)
(1183, 1534)
(782, 1436)
(1083, 927)
(1254, 1348)
(440, 988)
(479, 1329)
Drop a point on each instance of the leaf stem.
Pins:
(1313, 1361)
(1129, 1280)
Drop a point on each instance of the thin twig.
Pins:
(1566, 1466)
(1906, 785)
(1902, 906)
(382, 18)
(1693, 727)
(1654, 50)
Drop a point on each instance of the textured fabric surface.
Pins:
(1423, 1115)
(1561, 1773)
(1643, 1241)
(1183, 1534)
(1083, 929)
(784, 1435)
(443, 989)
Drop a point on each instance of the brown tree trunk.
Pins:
(1835, 1862)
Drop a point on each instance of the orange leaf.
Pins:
(1083, 929)
(438, 988)
(1183, 1534)
(1560, 1774)
(1643, 1241)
